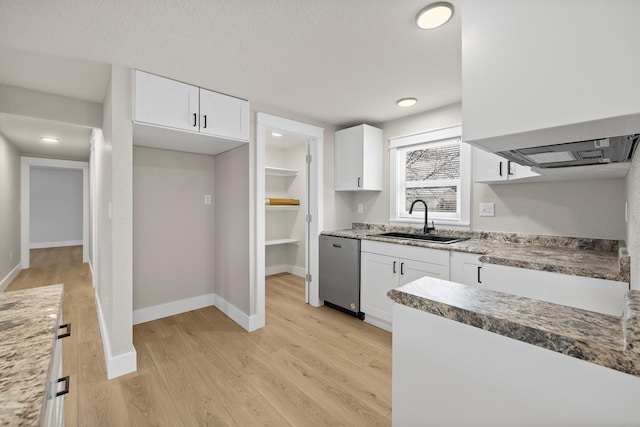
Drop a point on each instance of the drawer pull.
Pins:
(66, 326)
(205, 121)
(394, 267)
(66, 386)
(479, 281)
(402, 268)
(195, 119)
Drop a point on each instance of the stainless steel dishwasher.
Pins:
(340, 274)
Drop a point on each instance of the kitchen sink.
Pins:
(424, 237)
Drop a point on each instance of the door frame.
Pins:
(315, 137)
(26, 163)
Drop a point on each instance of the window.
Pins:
(433, 167)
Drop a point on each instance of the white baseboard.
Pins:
(9, 277)
(383, 324)
(55, 244)
(284, 268)
(172, 308)
(235, 314)
(120, 364)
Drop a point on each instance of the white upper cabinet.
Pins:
(536, 74)
(358, 159)
(177, 116)
(491, 168)
(223, 115)
(166, 102)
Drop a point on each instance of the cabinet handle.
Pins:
(500, 170)
(402, 268)
(66, 386)
(358, 182)
(66, 326)
(335, 245)
(509, 171)
(394, 267)
(479, 281)
(195, 119)
(205, 121)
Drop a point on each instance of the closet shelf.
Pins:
(280, 242)
(282, 207)
(280, 171)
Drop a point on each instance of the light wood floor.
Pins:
(308, 366)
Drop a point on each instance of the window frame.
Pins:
(397, 182)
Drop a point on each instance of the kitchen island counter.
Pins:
(28, 321)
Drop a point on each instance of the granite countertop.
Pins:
(610, 341)
(597, 258)
(28, 320)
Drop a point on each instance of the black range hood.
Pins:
(582, 153)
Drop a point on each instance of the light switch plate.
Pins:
(207, 199)
(487, 209)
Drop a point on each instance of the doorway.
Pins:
(32, 163)
(312, 138)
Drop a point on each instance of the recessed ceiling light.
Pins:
(276, 134)
(406, 102)
(434, 15)
(50, 139)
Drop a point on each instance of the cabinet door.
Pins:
(165, 102)
(224, 116)
(378, 275)
(348, 159)
(466, 269)
(489, 167)
(412, 270)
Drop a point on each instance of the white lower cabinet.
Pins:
(600, 295)
(384, 266)
(465, 268)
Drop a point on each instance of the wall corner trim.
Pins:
(249, 323)
(120, 364)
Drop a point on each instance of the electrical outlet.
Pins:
(360, 208)
(11, 256)
(487, 209)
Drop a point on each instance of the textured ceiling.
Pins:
(336, 61)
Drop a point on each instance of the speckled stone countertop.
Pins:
(606, 340)
(597, 258)
(28, 320)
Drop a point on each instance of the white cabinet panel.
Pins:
(385, 266)
(165, 102)
(603, 296)
(223, 115)
(466, 268)
(491, 168)
(358, 159)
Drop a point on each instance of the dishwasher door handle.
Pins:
(335, 245)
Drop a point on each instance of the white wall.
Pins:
(633, 222)
(233, 254)
(574, 208)
(9, 211)
(173, 251)
(55, 207)
(114, 186)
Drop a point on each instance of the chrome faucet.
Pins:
(426, 229)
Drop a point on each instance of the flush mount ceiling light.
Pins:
(276, 134)
(406, 102)
(50, 140)
(434, 15)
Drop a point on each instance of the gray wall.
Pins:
(55, 207)
(233, 254)
(592, 208)
(173, 230)
(9, 208)
(633, 221)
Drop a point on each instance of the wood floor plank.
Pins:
(258, 412)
